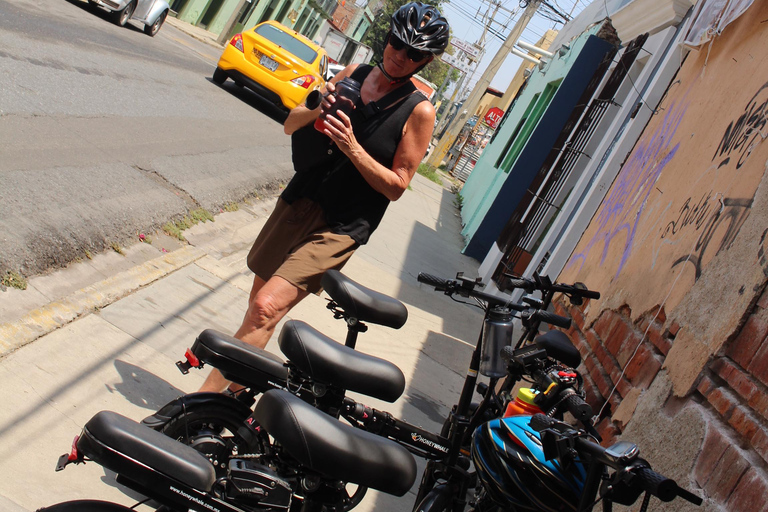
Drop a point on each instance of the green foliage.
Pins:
(175, 229)
(435, 72)
(14, 280)
(430, 173)
(458, 201)
(201, 215)
(116, 247)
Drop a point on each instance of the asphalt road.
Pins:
(106, 132)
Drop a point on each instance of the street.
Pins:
(106, 132)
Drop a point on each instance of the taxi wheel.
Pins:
(219, 76)
(154, 28)
(122, 17)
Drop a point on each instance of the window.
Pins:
(287, 41)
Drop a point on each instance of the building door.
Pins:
(210, 12)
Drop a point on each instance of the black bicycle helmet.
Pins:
(421, 26)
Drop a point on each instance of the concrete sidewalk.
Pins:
(105, 334)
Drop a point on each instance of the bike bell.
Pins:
(497, 334)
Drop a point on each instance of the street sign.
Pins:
(453, 61)
(493, 116)
(472, 50)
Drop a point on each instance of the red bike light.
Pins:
(192, 358)
(73, 454)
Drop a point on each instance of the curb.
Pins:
(54, 315)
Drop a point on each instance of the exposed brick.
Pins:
(657, 335)
(624, 387)
(604, 325)
(622, 335)
(706, 385)
(726, 474)
(759, 442)
(606, 361)
(643, 368)
(743, 422)
(723, 401)
(608, 430)
(741, 384)
(712, 450)
(746, 344)
(758, 367)
(577, 314)
(763, 301)
(592, 339)
(559, 309)
(581, 345)
(750, 492)
(674, 329)
(759, 403)
(602, 383)
(735, 377)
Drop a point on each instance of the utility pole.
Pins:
(476, 95)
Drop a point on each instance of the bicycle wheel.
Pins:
(211, 430)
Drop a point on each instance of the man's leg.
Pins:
(268, 303)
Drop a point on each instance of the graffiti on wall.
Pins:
(623, 207)
(743, 133)
(724, 218)
(718, 218)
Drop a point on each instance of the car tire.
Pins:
(122, 17)
(219, 76)
(153, 29)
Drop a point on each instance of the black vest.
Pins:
(351, 206)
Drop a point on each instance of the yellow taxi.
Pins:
(274, 61)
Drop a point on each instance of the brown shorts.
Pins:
(297, 245)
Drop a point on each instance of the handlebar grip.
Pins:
(525, 284)
(659, 485)
(431, 280)
(540, 421)
(553, 319)
(589, 294)
(580, 409)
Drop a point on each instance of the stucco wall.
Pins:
(678, 343)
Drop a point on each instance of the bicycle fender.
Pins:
(175, 407)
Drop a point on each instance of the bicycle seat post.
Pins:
(354, 326)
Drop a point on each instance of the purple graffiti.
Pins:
(622, 209)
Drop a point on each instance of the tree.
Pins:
(434, 72)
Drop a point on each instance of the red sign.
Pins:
(493, 117)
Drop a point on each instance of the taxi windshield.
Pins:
(287, 41)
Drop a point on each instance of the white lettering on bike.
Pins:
(193, 498)
(421, 439)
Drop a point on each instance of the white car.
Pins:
(151, 13)
(334, 68)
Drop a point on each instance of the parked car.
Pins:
(151, 13)
(276, 62)
(334, 68)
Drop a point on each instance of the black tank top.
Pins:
(351, 206)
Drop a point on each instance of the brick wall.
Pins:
(732, 467)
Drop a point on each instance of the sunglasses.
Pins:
(413, 54)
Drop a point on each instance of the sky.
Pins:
(466, 20)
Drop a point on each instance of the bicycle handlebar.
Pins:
(551, 318)
(451, 287)
(646, 478)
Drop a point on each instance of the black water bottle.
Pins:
(347, 93)
(497, 334)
